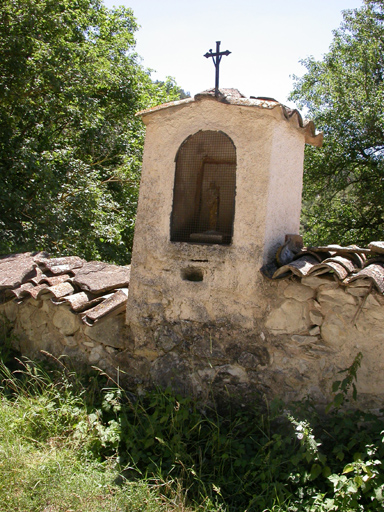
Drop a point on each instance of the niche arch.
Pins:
(204, 189)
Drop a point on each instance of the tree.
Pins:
(343, 197)
(70, 145)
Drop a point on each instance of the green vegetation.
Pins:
(344, 95)
(55, 449)
(70, 145)
(84, 444)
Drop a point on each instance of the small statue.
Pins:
(214, 204)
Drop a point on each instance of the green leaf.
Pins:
(357, 456)
(338, 400)
(316, 470)
(378, 491)
(326, 471)
(149, 443)
(352, 487)
(358, 480)
(348, 468)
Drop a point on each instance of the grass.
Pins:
(71, 443)
(53, 479)
(48, 452)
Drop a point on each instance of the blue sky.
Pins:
(267, 40)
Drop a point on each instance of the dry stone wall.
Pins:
(39, 325)
(310, 330)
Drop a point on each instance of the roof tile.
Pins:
(115, 303)
(351, 266)
(68, 280)
(16, 269)
(97, 277)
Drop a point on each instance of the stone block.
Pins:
(335, 296)
(108, 332)
(47, 306)
(316, 317)
(299, 292)
(304, 340)
(229, 372)
(39, 319)
(88, 344)
(94, 355)
(329, 285)
(373, 318)
(35, 303)
(372, 302)
(316, 281)
(10, 310)
(65, 321)
(51, 340)
(70, 341)
(148, 354)
(360, 291)
(25, 316)
(335, 329)
(254, 359)
(291, 317)
(166, 339)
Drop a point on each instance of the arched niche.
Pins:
(204, 189)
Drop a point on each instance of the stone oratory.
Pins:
(221, 187)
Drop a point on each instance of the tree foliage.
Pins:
(343, 198)
(70, 145)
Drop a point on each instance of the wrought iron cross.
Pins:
(216, 57)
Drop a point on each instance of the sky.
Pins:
(267, 39)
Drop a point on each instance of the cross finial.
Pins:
(216, 57)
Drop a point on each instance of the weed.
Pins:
(70, 443)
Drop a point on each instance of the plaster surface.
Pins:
(269, 151)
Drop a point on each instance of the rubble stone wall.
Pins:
(310, 330)
(39, 325)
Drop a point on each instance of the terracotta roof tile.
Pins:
(351, 266)
(373, 273)
(60, 266)
(16, 269)
(300, 267)
(68, 280)
(98, 277)
(52, 281)
(61, 289)
(80, 301)
(38, 290)
(377, 247)
(22, 291)
(114, 303)
(329, 265)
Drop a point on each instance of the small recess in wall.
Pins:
(193, 274)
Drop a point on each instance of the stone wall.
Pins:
(39, 325)
(308, 331)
